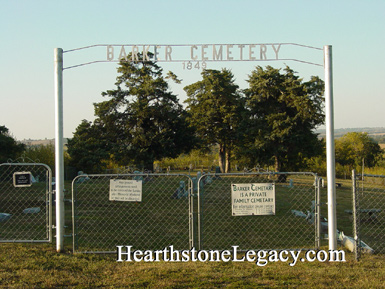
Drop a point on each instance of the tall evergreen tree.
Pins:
(215, 110)
(284, 111)
(142, 120)
(9, 147)
(88, 149)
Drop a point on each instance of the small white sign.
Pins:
(253, 199)
(126, 190)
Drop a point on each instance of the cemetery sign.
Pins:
(253, 199)
(126, 190)
(197, 52)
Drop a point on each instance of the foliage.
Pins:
(283, 113)
(215, 108)
(10, 149)
(44, 154)
(196, 159)
(88, 150)
(142, 120)
(356, 149)
(352, 151)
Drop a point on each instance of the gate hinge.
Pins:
(65, 236)
(54, 227)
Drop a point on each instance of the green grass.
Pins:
(39, 266)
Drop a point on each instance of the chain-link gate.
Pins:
(259, 211)
(146, 211)
(25, 202)
(368, 213)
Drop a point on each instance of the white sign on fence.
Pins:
(253, 199)
(126, 190)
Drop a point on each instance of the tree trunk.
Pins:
(277, 167)
(228, 163)
(277, 164)
(222, 158)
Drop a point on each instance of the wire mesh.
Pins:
(162, 216)
(370, 213)
(25, 203)
(293, 225)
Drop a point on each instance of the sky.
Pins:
(31, 30)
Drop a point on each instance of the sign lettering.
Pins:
(126, 190)
(22, 179)
(196, 52)
(253, 199)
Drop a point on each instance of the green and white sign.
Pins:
(253, 199)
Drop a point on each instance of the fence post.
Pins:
(191, 214)
(330, 149)
(355, 217)
(318, 212)
(59, 156)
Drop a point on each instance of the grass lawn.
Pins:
(39, 266)
(100, 226)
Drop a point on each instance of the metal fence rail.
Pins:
(161, 218)
(25, 202)
(368, 213)
(225, 220)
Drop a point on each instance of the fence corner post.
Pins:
(59, 157)
(330, 150)
(355, 218)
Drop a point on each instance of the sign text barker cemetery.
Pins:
(194, 56)
(253, 199)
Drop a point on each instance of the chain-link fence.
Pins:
(368, 214)
(259, 211)
(146, 211)
(153, 211)
(25, 202)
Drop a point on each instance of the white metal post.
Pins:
(330, 151)
(59, 156)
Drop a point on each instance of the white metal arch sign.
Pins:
(194, 56)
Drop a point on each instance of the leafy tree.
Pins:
(42, 154)
(88, 150)
(215, 110)
(283, 113)
(353, 148)
(9, 147)
(142, 121)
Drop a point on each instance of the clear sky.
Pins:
(30, 30)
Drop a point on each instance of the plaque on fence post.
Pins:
(253, 199)
(126, 190)
(22, 179)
